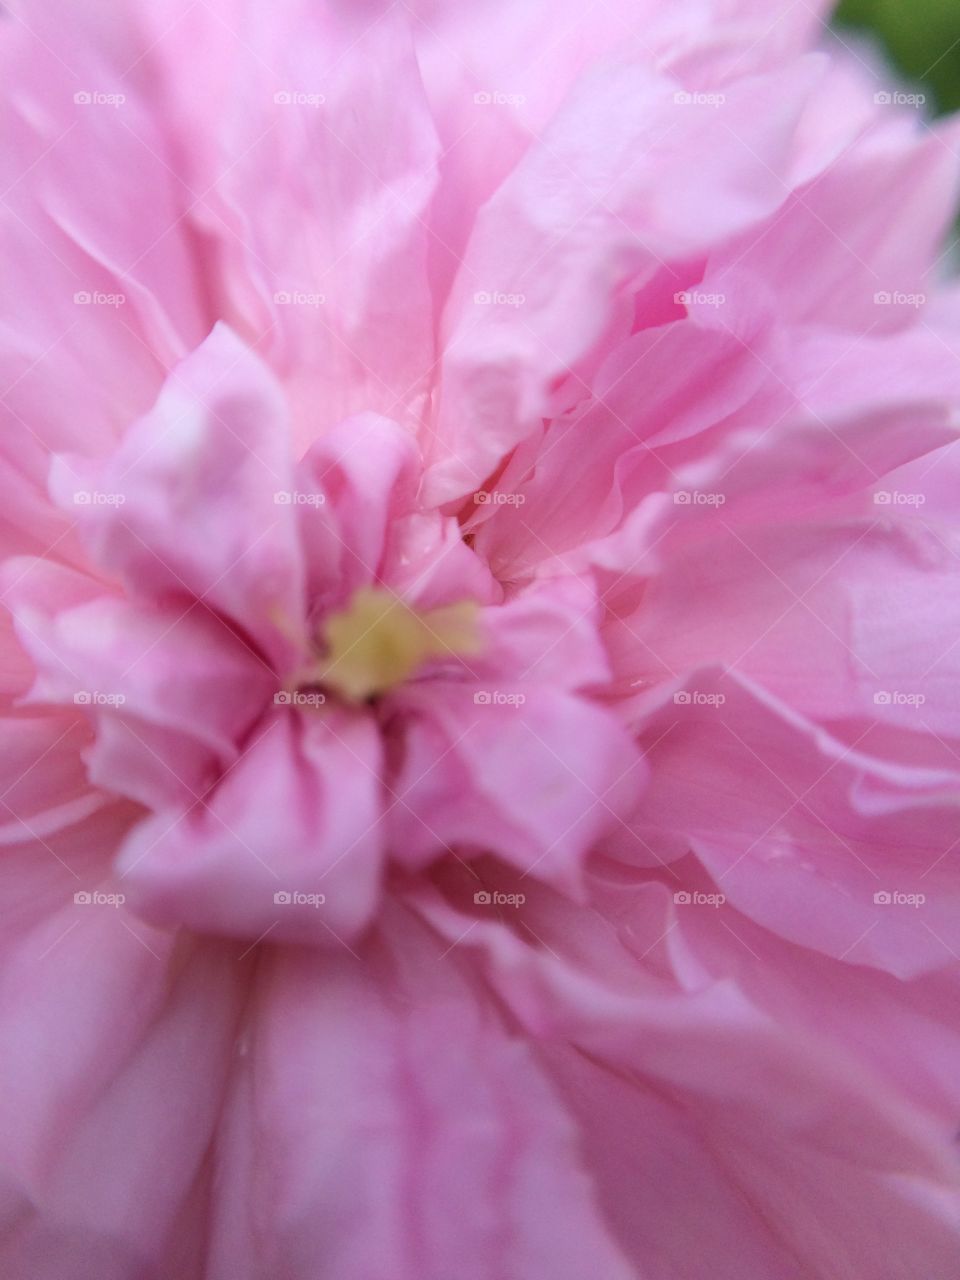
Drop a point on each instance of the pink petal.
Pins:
(192, 505)
(288, 843)
(532, 774)
(70, 250)
(820, 842)
(350, 488)
(756, 1131)
(169, 691)
(110, 1103)
(608, 221)
(313, 177)
(387, 1123)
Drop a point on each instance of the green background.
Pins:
(922, 38)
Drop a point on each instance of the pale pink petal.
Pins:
(802, 1129)
(805, 610)
(314, 162)
(384, 1121)
(530, 267)
(111, 1101)
(191, 505)
(828, 846)
(168, 690)
(545, 636)
(348, 490)
(287, 844)
(531, 773)
(110, 277)
(832, 256)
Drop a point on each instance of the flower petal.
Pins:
(387, 1123)
(169, 691)
(288, 843)
(188, 507)
(530, 773)
(820, 842)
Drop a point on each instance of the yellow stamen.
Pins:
(378, 642)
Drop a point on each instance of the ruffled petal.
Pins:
(533, 774)
(168, 691)
(288, 844)
(192, 505)
(386, 1122)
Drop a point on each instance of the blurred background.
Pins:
(921, 38)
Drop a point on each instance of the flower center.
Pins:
(378, 642)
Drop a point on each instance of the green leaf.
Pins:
(922, 38)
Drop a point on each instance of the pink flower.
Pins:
(300, 674)
(480, 721)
